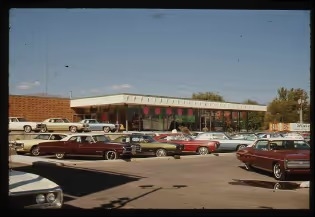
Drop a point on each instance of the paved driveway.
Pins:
(210, 182)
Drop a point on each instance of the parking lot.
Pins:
(211, 182)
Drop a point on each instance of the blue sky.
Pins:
(238, 54)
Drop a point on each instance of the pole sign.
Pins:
(299, 127)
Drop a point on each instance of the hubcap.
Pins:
(59, 155)
(241, 147)
(35, 151)
(247, 166)
(277, 171)
(160, 153)
(111, 155)
(106, 129)
(28, 129)
(203, 151)
(73, 129)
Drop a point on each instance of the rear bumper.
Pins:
(298, 171)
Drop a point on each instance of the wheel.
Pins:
(73, 129)
(35, 150)
(160, 152)
(27, 129)
(106, 129)
(248, 166)
(203, 151)
(278, 173)
(240, 147)
(60, 155)
(43, 129)
(110, 155)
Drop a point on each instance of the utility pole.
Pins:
(300, 102)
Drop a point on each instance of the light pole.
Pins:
(300, 102)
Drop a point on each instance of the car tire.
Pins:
(106, 129)
(35, 150)
(248, 166)
(27, 129)
(43, 130)
(73, 129)
(203, 151)
(239, 147)
(160, 152)
(110, 155)
(278, 172)
(60, 155)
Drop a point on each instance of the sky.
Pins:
(239, 54)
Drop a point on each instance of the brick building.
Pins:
(39, 108)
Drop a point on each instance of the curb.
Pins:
(45, 163)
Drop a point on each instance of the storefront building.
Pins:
(160, 113)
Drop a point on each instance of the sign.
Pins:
(299, 127)
(293, 127)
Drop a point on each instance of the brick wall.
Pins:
(39, 108)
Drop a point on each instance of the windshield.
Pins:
(66, 120)
(101, 138)
(42, 136)
(22, 119)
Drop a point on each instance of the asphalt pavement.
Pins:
(201, 182)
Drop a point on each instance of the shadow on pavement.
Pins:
(122, 201)
(288, 178)
(266, 184)
(78, 182)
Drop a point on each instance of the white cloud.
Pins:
(121, 86)
(27, 85)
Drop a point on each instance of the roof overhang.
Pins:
(120, 99)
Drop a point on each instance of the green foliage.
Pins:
(208, 96)
(255, 119)
(284, 108)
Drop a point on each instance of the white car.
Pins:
(19, 123)
(63, 124)
(31, 145)
(27, 190)
(226, 143)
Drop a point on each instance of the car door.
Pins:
(260, 153)
(86, 146)
(225, 143)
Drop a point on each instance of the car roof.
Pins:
(86, 134)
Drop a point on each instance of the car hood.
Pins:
(30, 140)
(21, 181)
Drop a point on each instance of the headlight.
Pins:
(40, 198)
(50, 197)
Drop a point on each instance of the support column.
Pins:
(238, 121)
(247, 113)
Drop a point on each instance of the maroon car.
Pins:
(191, 145)
(281, 156)
(88, 144)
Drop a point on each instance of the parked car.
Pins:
(226, 142)
(149, 146)
(31, 145)
(19, 123)
(94, 125)
(190, 144)
(87, 144)
(245, 136)
(281, 156)
(27, 190)
(63, 124)
(194, 134)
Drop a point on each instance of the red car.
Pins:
(191, 145)
(281, 156)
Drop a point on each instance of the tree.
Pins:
(208, 96)
(255, 119)
(285, 108)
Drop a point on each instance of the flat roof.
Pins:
(163, 101)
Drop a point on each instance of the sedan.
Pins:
(190, 145)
